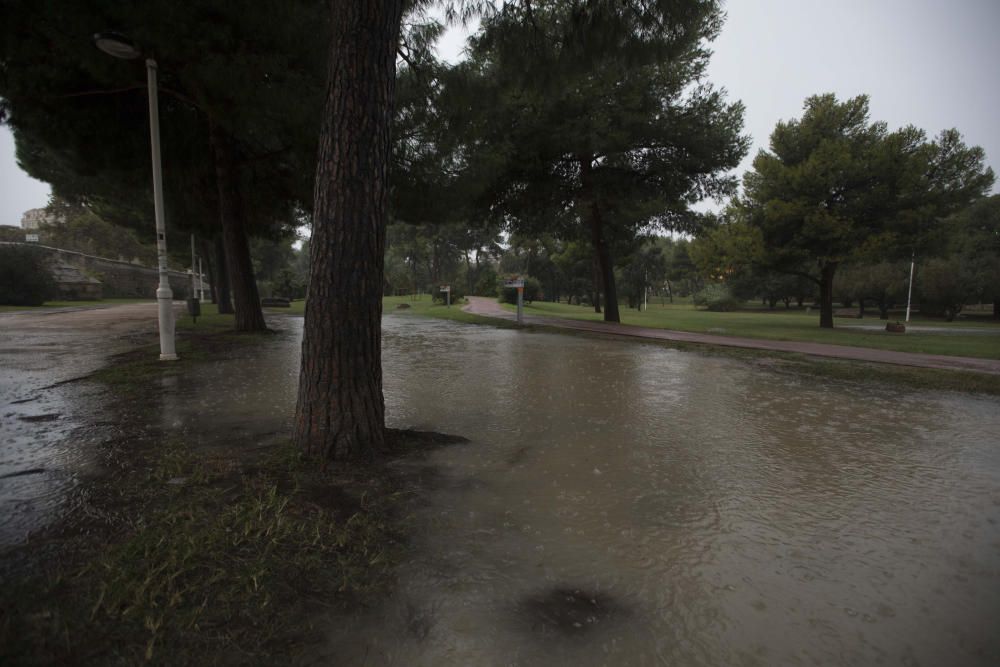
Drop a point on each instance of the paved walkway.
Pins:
(490, 308)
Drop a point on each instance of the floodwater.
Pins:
(51, 426)
(621, 503)
(627, 504)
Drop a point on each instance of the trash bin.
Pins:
(194, 308)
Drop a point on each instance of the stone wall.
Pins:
(118, 279)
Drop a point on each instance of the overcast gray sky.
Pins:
(930, 63)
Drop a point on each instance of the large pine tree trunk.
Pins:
(607, 268)
(246, 299)
(341, 411)
(222, 296)
(826, 295)
(595, 294)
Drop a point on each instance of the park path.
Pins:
(488, 307)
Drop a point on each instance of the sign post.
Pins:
(518, 283)
(447, 294)
(201, 281)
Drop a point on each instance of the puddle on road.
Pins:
(48, 446)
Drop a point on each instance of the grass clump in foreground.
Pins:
(186, 556)
(203, 560)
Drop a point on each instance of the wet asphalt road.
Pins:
(47, 421)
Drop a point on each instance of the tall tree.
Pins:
(973, 236)
(341, 410)
(835, 183)
(238, 123)
(593, 118)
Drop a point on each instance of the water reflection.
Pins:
(739, 515)
(626, 504)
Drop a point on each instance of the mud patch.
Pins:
(569, 611)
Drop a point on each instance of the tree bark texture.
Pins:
(340, 412)
(222, 296)
(600, 244)
(826, 295)
(242, 282)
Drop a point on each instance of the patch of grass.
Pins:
(215, 560)
(211, 337)
(184, 556)
(795, 325)
(209, 321)
(297, 307)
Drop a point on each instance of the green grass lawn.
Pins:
(795, 325)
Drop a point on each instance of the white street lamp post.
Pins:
(909, 291)
(120, 46)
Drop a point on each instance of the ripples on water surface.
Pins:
(624, 503)
(628, 504)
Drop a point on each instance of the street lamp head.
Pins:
(117, 45)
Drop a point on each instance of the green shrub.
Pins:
(944, 286)
(487, 283)
(716, 297)
(532, 291)
(25, 279)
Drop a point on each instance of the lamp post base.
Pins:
(164, 299)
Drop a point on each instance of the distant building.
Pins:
(34, 217)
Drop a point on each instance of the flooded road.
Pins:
(626, 504)
(50, 425)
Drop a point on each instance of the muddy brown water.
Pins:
(628, 504)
